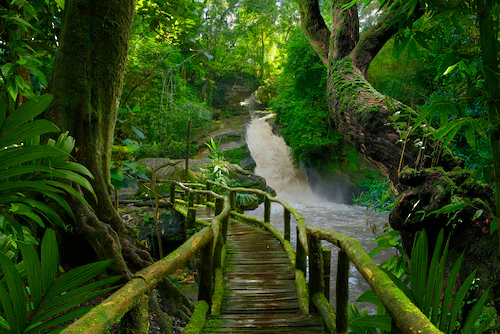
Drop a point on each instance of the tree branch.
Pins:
(374, 39)
(314, 27)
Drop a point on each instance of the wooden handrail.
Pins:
(111, 310)
(114, 308)
(404, 313)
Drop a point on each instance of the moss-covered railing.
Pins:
(128, 305)
(406, 316)
(130, 302)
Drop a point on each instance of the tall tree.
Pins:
(86, 82)
(384, 130)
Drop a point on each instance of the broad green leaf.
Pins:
(374, 321)
(424, 113)
(70, 316)
(370, 297)
(7, 308)
(49, 259)
(418, 268)
(433, 271)
(459, 298)
(470, 134)
(4, 323)
(33, 273)
(436, 307)
(3, 112)
(26, 131)
(77, 168)
(450, 68)
(83, 290)
(27, 111)
(76, 276)
(69, 189)
(17, 290)
(16, 156)
(63, 308)
(448, 293)
(474, 314)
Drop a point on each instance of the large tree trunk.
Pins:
(86, 82)
(369, 121)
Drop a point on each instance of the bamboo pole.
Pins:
(172, 193)
(286, 218)
(300, 257)
(316, 282)
(327, 261)
(267, 210)
(342, 291)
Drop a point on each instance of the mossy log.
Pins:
(197, 321)
(218, 292)
(325, 309)
(407, 316)
(111, 310)
(302, 291)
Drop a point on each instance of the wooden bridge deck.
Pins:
(259, 287)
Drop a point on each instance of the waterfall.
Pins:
(274, 163)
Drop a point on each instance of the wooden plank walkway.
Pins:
(259, 287)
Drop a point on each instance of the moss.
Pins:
(218, 292)
(197, 321)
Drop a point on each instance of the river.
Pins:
(274, 163)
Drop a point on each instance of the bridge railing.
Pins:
(405, 315)
(128, 305)
(210, 240)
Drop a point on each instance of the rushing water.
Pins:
(272, 157)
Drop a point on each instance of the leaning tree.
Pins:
(426, 182)
(86, 82)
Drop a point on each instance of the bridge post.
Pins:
(232, 199)
(316, 282)
(300, 257)
(286, 218)
(191, 199)
(327, 260)
(342, 292)
(191, 220)
(207, 187)
(136, 320)
(172, 193)
(267, 209)
(206, 284)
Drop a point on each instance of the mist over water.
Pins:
(274, 163)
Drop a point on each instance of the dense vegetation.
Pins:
(173, 62)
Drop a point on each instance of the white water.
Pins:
(272, 157)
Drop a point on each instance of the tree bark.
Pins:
(369, 121)
(86, 82)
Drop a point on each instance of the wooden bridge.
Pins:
(250, 278)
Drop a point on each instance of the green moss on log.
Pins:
(302, 292)
(218, 292)
(325, 309)
(197, 321)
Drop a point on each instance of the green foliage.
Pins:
(301, 106)
(435, 289)
(34, 299)
(218, 169)
(375, 194)
(27, 31)
(31, 173)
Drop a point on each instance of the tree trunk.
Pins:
(86, 82)
(380, 128)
